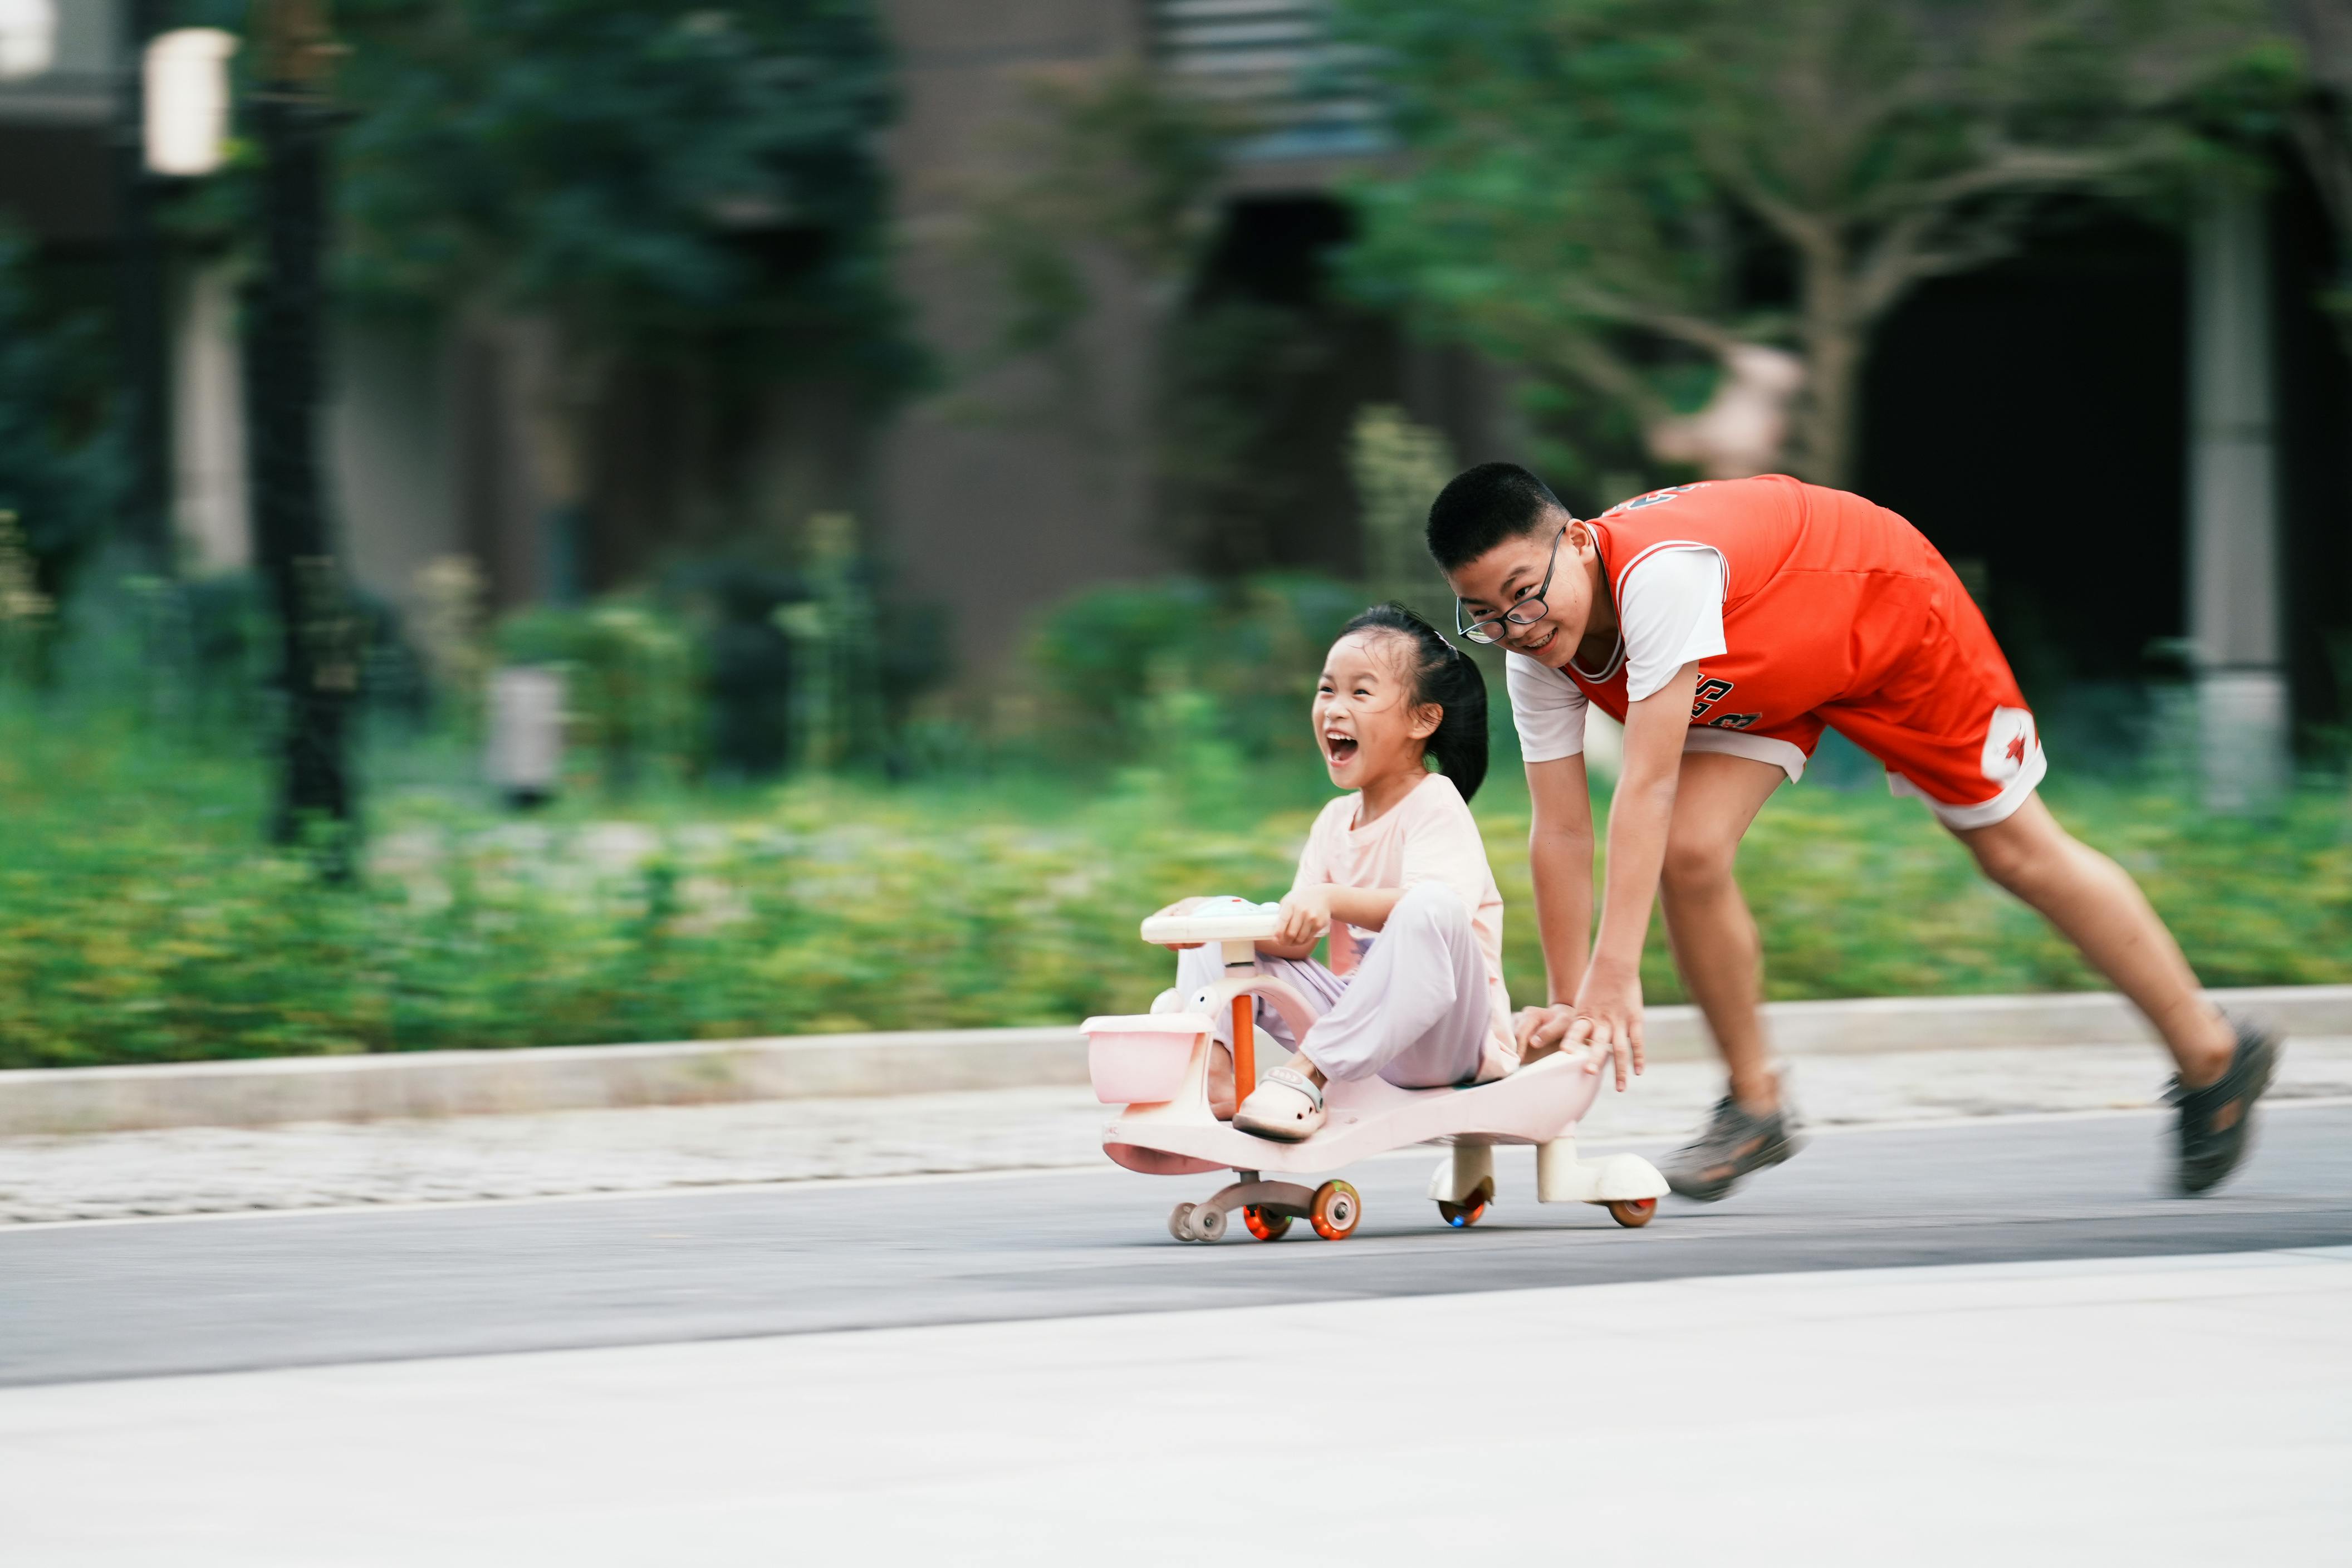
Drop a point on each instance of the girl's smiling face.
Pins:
(1365, 718)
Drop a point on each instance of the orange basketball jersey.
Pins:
(1836, 612)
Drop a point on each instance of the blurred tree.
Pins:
(1119, 175)
(1114, 168)
(1398, 468)
(2322, 129)
(1626, 195)
(59, 455)
(606, 178)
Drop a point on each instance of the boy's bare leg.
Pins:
(2095, 905)
(1716, 946)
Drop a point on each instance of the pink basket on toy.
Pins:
(1139, 1059)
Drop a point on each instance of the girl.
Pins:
(1397, 874)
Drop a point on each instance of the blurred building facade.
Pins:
(2130, 435)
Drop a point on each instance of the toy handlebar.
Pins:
(1216, 920)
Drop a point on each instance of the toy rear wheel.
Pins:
(1335, 1211)
(1179, 1222)
(1633, 1213)
(1264, 1224)
(1208, 1223)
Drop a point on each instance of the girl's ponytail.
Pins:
(1444, 676)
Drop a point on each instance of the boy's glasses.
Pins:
(1524, 612)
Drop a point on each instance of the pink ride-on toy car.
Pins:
(1156, 1065)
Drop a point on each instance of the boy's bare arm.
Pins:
(1560, 858)
(1609, 999)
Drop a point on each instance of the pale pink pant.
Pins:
(1413, 1010)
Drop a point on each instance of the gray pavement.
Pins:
(2018, 1413)
(202, 1170)
(211, 1295)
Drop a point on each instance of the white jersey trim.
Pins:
(1984, 813)
(1781, 754)
(1651, 549)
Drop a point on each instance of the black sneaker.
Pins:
(2217, 1122)
(1735, 1143)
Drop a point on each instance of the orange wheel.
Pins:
(1470, 1210)
(1263, 1224)
(1335, 1211)
(1633, 1213)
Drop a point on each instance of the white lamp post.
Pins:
(28, 37)
(187, 99)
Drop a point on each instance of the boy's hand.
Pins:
(1608, 1016)
(1306, 916)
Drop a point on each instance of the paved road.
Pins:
(184, 1295)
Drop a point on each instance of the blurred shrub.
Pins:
(26, 614)
(630, 683)
(1184, 660)
(749, 667)
(837, 710)
(736, 670)
(451, 632)
(139, 923)
(817, 667)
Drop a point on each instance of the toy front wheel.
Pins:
(1264, 1224)
(1335, 1211)
(1470, 1210)
(1633, 1213)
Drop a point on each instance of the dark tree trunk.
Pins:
(146, 523)
(319, 668)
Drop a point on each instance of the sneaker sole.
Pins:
(1779, 1153)
(2268, 1074)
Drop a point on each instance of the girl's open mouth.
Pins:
(1339, 748)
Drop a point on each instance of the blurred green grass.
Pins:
(139, 922)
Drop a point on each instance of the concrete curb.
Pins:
(578, 1078)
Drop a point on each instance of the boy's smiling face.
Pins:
(1513, 574)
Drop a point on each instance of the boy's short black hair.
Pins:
(1482, 507)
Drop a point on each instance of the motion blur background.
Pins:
(913, 454)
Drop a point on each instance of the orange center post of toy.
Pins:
(1244, 1045)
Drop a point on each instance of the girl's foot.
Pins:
(1287, 1106)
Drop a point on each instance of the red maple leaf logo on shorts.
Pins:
(2017, 750)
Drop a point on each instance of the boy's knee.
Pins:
(2005, 862)
(1696, 864)
(2016, 857)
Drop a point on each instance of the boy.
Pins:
(1725, 624)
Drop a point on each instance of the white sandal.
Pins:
(1286, 1106)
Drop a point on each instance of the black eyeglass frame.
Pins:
(1523, 612)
